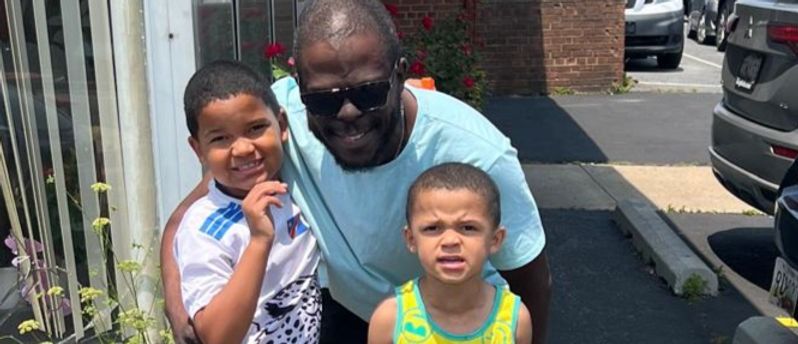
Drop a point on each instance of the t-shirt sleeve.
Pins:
(205, 264)
(525, 238)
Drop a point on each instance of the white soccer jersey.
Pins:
(209, 243)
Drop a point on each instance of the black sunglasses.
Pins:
(365, 97)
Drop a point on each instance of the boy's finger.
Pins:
(270, 188)
(262, 203)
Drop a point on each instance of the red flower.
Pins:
(392, 9)
(466, 49)
(400, 34)
(427, 22)
(417, 68)
(291, 62)
(273, 50)
(468, 81)
(421, 54)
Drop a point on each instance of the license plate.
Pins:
(630, 28)
(784, 287)
(749, 72)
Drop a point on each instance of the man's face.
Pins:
(358, 138)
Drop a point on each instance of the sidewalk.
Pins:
(679, 189)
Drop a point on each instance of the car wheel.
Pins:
(669, 61)
(691, 32)
(720, 33)
(701, 34)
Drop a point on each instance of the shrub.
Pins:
(444, 50)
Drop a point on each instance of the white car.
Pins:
(655, 28)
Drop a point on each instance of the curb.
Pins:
(763, 330)
(658, 243)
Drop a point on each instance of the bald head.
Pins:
(333, 21)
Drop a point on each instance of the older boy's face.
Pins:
(452, 234)
(240, 141)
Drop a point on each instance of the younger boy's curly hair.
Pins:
(454, 176)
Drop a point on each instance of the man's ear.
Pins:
(195, 146)
(497, 238)
(401, 69)
(282, 119)
(410, 241)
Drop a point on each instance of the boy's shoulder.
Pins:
(209, 216)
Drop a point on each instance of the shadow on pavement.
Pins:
(750, 252)
(603, 293)
(647, 65)
(542, 131)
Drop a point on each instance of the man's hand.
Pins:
(256, 208)
(183, 332)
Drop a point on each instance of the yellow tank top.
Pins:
(414, 326)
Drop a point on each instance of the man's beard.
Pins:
(380, 154)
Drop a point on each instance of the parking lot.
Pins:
(741, 246)
(699, 72)
(655, 138)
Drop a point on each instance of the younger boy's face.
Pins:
(452, 234)
(240, 140)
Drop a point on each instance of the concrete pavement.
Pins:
(679, 189)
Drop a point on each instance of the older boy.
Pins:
(246, 257)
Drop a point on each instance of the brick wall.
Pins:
(583, 43)
(533, 46)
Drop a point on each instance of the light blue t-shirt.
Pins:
(358, 217)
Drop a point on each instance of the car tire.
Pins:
(720, 32)
(690, 28)
(691, 32)
(669, 61)
(701, 33)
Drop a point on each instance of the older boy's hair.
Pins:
(220, 80)
(455, 176)
(316, 24)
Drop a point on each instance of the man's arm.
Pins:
(170, 275)
(532, 283)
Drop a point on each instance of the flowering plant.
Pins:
(131, 322)
(281, 66)
(444, 50)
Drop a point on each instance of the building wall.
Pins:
(535, 46)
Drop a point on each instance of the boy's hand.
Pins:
(256, 209)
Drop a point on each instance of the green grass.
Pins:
(562, 91)
(694, 287)
(624, 86)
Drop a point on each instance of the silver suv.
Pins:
(755, 126)
(655, 28)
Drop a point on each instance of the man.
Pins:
(358, 139)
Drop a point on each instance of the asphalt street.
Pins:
(643, 128)
(603, 293)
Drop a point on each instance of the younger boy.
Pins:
(453, 216)
(246, 257)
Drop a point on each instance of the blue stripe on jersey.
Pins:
(233, 220)
(213, 216)
(222, 220)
